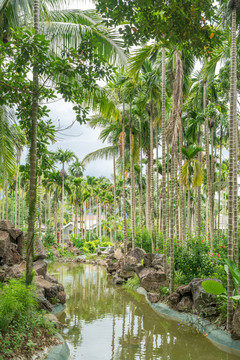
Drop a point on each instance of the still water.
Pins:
(106, 322)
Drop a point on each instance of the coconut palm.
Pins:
(232, 197)
(63, 157)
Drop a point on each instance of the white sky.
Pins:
(80, 139)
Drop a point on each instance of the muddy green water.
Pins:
(106, 322)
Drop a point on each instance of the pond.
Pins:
(105, 322)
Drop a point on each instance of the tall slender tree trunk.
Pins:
(62, 211)
(172, 220)
(141, 193)
(232, 139)
(152, 215)
(115, 203)
(124, 192)
(209, 185)
(157, 188)
(164, 204)
(181, 213)
(220, 179)
(33, 161)
(168, 192)
(6, 192)
(199, 188)
(132, 189)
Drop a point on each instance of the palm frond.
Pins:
(104, 153)
(66, 28)
(139, 56)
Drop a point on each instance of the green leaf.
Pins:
(235, 272)
(213, 287)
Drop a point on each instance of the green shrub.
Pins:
(17, 300)
(49, 238)
(132, 283)
(20, 321)
(77, 242)
(90, 246)
(85, 250)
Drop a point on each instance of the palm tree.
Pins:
(232, 197)
(33, 160)
(192, 174)
(63, 157)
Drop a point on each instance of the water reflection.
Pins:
(108, 323)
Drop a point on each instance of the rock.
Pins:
(118, 254)
(102, 263)
(61, 297)
(117, 280)
(173, 299)
(16, 271)
(2, 275)
(125, 274)
(201, 299)
(52, 318)
(40, 251)
(17, 237)
(184, 290)
(137, 253)
(43, 302)
(158, 261)
(6, 224)
(152, 279)
(40, 266)
(50, 290)
(8, 251)
(130, 264)
(51, 279)
(185, 304)
(4, 241)
(147, 260)
(235, 333)
(210, 311)
(153, 297)
(112, 266)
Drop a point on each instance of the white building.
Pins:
(89, 223)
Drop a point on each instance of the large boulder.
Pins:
(158, 261)
(201, 299)
(51, 290)
(147, 260)
(153, 297)
(40, 266)
(173, 299)
(117, 280)
(152, 280)
(235, 333)
(125, 274)
(112, 266)
(118, 254)
(6, 224)
(185, 304)
(40, 251)
(137, 253)
(9, 254)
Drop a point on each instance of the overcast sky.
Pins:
(80, 139)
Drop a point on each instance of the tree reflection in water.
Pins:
(106, 322)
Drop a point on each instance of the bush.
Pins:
(16, 301)
(195, 260)
(132, 283)
(21, 325)
(90, 246)
(49, 238)
(146, 239)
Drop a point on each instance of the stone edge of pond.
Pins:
(58, 352)
(219, 338)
